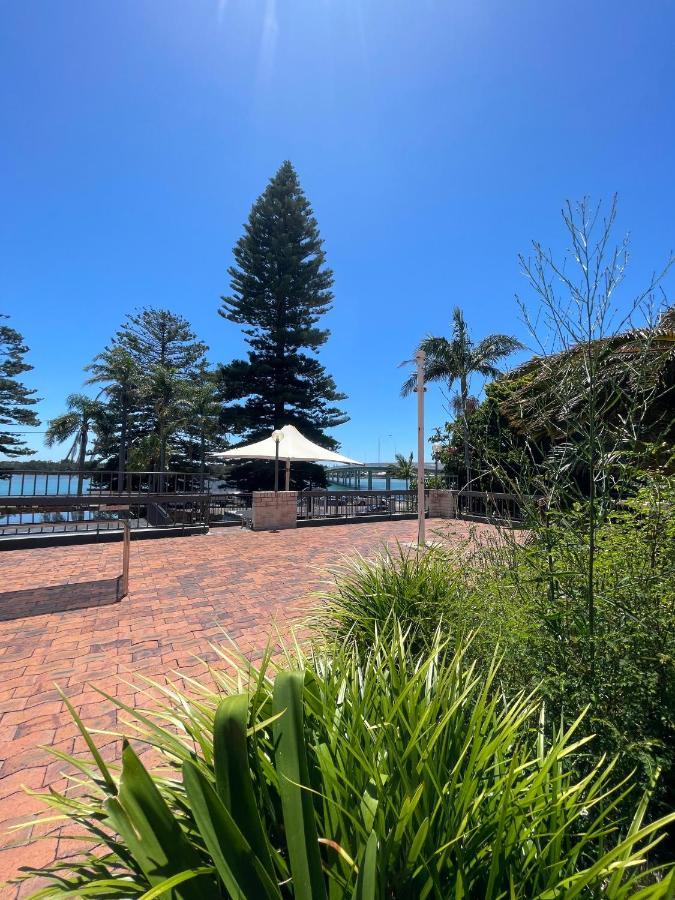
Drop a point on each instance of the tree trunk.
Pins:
(162, 457)
(279, 357)
(84, 437)
(465, 428)
(278, 413)
(122, 461)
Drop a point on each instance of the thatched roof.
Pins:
(544, 393)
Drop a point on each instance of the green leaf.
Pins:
(418, 842)
(368, 807)
(151, 832)
(233, 774)
(98, 759)
(174, 881)
(366, 885)
(240, 870)
(296, 800)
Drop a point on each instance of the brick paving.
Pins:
(60, 622)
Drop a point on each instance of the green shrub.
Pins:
(623, 666)
(380, 774)
(529, 601)
(369, 595)
(456, 592)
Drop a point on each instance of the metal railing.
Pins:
(57, 502)
(494, 507)
(35, 483)
(229, 508)
(313, 505)
(94, 501)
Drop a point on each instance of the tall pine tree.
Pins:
(150, 364)
(158, 337)
(280, 289)
(16, 399)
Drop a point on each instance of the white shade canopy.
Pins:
(292, 447)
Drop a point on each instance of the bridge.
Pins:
(361, 477)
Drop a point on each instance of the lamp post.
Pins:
(277, 437)
(420, 357)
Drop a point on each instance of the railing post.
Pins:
(126, 540)
(207, 516)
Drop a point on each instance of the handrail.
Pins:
(110, 472)
(356, 504)
(126, 547)
(31, 498)
(497, 495)
(354, 492)
(97, 482)
(490, 505)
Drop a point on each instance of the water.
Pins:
(379, 484)
(29, 484)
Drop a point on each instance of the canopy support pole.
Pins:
(288, 474)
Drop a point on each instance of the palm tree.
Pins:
(456, 360)
(403, 468)
(203, 414)
(167, 392)
(116, 369)
(75, 423)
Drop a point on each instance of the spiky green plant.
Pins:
(343, 774)
(366, 596)
(452, 589)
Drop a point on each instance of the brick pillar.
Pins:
(272, 512)
(442, 504)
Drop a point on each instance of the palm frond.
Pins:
(62, 428)
(449, 360)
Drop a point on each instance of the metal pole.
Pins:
(288, 474)
(126, 539)
(421, 524)
(276, 467)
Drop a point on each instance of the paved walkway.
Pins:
(60, 623)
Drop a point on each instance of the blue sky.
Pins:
(434, 138)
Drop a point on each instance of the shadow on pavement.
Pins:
(41, 601)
